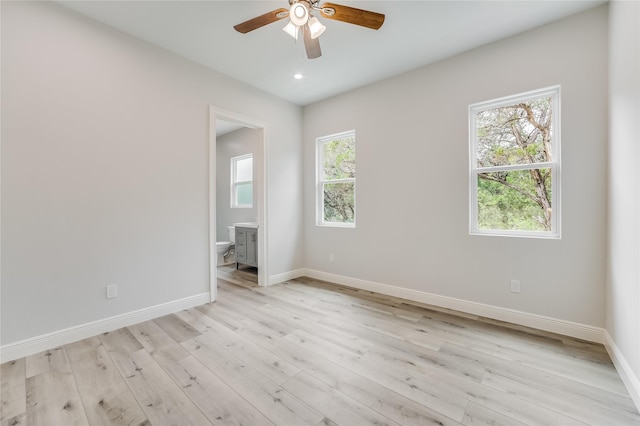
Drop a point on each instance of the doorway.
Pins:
(219, 118)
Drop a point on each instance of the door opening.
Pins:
(219, 118)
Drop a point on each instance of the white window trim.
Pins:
(234, 184)
(320, 182)
(554, 93)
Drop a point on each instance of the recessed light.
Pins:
(297, 76)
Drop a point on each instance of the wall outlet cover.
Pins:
(112, 291)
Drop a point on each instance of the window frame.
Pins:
(320, 181)
(234, 183)
(554, 93)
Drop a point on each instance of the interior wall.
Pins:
(241, 142)
(623, 290)
(105, 144)
(412, 177)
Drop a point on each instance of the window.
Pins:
(515, 165)
(336, 190)
(242, 181)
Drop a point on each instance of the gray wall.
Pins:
(240, 142)
(105, 175)
(623, 293)
(412, 177)
(105, 146)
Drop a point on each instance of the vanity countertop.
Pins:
(246, 224)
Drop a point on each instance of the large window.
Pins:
(515, 165)
(242, 181)
(336, 189)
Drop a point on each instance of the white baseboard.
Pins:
(631, 381)
(554, 325)
(291, 275)
(62, 337)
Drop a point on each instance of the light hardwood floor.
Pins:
(310, 353)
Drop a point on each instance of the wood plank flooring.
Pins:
(308, 352)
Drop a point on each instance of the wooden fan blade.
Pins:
(311, 45)
(352, 15)
(262, 20)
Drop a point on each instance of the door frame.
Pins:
(216, 113)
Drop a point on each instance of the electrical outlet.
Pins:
(112, 291)
(515, 286)
(332, 258)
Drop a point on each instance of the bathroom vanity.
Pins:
(246, 244)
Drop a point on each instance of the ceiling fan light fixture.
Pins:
(300, 17)
(315, 27)
(299, 14)
(291, 29)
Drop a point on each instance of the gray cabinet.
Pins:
(246, 246)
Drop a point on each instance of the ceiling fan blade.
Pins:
(312, 45)
(352, 15)
(262, 20)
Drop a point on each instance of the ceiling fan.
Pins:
(300, 16)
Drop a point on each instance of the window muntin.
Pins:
(336, 180)
(515, 165)
(242, 181)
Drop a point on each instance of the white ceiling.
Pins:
(415, 33)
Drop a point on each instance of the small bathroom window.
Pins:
(242, 181)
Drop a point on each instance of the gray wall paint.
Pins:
(412, 177)
(105, 146)
(240, 142)
(623, 294)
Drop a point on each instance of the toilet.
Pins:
(224, 248)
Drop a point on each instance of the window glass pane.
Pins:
(515, 200)
(515, 134)
(244, 194)
(339, 202)
(244, 170)
(339, 158)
